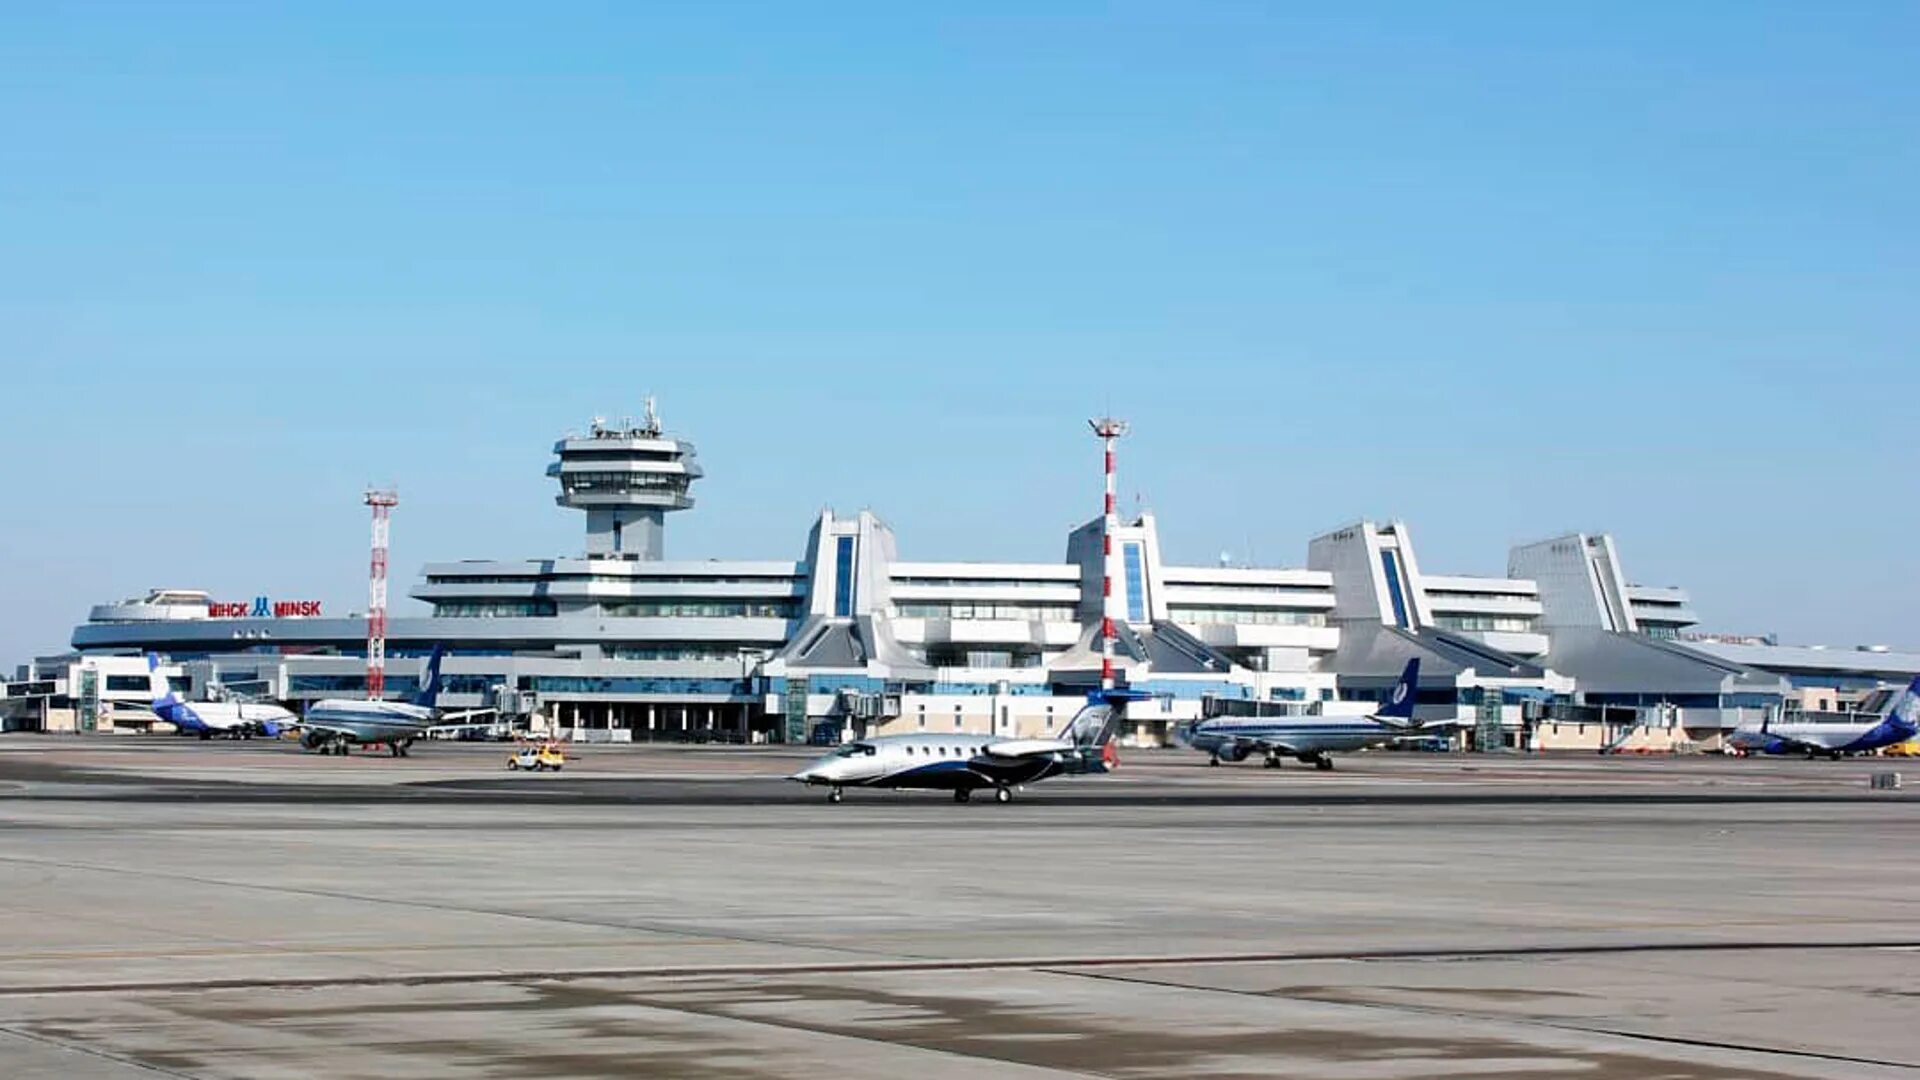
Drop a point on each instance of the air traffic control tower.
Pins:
(626, 477)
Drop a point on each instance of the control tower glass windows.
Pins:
(621, 483)
(622, 454)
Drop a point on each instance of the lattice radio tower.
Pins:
(382, 503)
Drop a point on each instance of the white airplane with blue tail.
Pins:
(1309, 739)
(1835, 740)
(336, 725)
(208, 719)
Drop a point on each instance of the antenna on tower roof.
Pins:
(653, 418)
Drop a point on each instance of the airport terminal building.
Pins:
(845, 636)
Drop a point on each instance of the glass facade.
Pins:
(619, 483)
(1136, 584)
(1173, 582)
(356, 685)
(843, 578)
(1512, 623)
(994, 583)
(694, 651)
(470, 684)
(534, 576)
(985, 609)
(1391, 564)
(1441, 596)
(1185, 613)
(980, 656)
(700, 609)
(494, 609)
(581, 684)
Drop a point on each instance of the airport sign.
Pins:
(263, 608)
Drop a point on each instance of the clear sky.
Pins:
(1499, 270)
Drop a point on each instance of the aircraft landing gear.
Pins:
(1002, 795)
(1323, 763)
(834, 794)
(961, 794)
(1214, 761)
(1273, 761)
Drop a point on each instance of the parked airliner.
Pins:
(335, 725)
(964, 764)
(1309, 739)
(227, 719)
(1836, 740)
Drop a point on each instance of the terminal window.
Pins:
(1136, 585)
(843, 578)
(1392, 566)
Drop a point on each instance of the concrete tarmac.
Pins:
(244, 910)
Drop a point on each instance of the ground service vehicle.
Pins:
(537, 758)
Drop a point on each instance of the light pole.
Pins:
(748, 658)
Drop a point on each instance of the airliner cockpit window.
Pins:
(856, 750)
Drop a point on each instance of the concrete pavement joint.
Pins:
(1060, 964)
(1506, 1018)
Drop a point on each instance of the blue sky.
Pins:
(1499, 270)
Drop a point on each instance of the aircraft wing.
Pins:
(320, 725)
(1268, 745)
(458, 721)
(1428, 727)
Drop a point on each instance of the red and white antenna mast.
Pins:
(1108, 430)
(382, 503)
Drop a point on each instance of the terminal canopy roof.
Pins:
(1604, 662)
(1373, 652)
(1161, 649)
